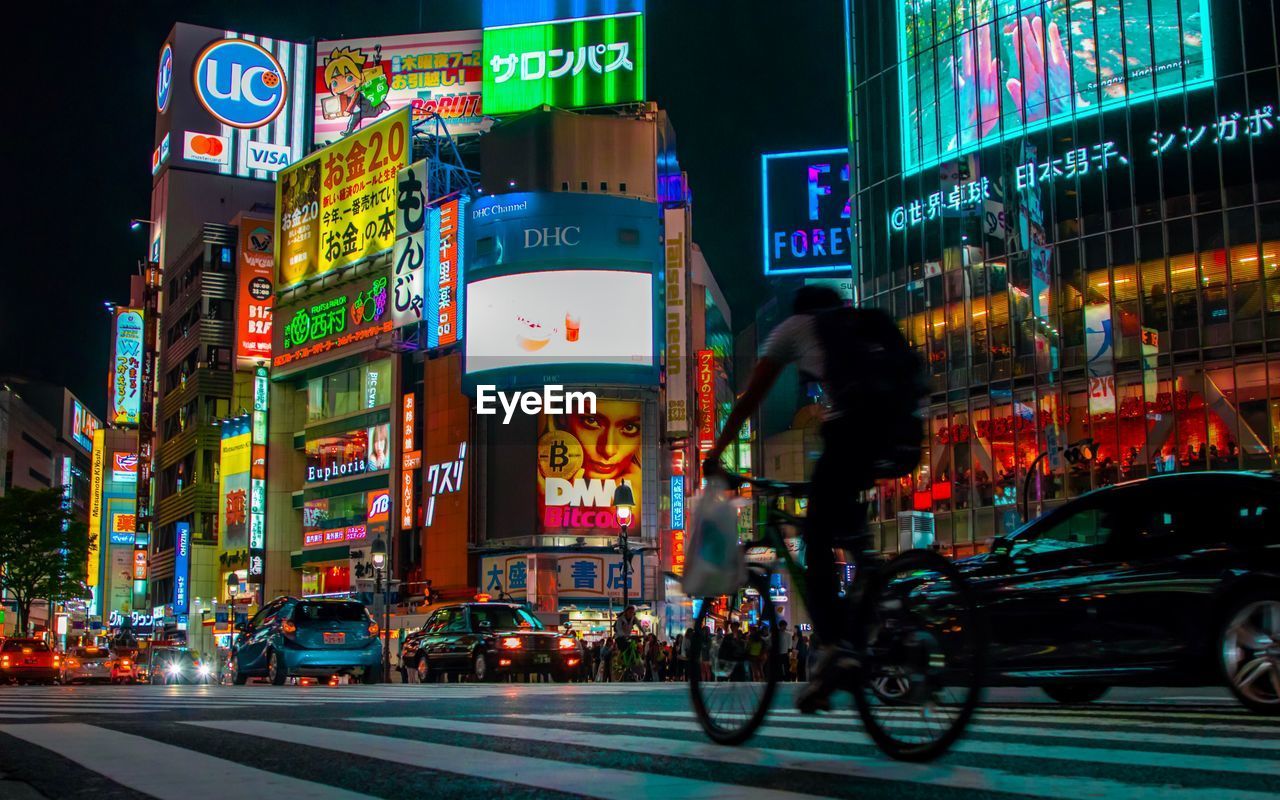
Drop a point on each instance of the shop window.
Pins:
(1258, 422)
(1225, 423)
(1192, 451)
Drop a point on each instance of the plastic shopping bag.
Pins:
(714, 564)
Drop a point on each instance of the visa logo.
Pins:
(266, 156)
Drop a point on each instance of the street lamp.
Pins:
(623, 502)
(1080, 452)
(378, 552)
(135, 224)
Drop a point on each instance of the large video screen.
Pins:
(977, 71)
(559, 317)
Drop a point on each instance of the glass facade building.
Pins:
(1074, 212)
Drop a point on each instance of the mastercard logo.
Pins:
(206, 145)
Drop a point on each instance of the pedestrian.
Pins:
(802, 659)
(710, 653)
(687, 654)
(784, 648)
(607, 663)
(677, 657)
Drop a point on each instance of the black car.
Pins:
(1169, 581)
(485, 640)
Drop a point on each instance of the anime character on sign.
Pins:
(357, 87)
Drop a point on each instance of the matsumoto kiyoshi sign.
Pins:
(593, 61)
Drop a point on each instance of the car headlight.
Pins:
(204, 670)
(173, 669)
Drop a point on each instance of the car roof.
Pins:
(1183, 477)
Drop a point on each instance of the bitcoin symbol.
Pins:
(559, 454)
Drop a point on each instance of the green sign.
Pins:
(597, 61)
(329, 317)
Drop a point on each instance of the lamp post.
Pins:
(1080, 452)
(378, 551)
(623, 501)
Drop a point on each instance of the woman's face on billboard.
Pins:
(610, 438)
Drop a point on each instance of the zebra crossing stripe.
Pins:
(164, 770)
(539, 773)
(1112, 756)
(875, 768)
(979, 725)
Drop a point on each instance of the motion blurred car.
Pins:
(485, 640)
(177, 665)
(311, 637)
(1169, 581)
(124, 666)
(28, 661)
(86, 664)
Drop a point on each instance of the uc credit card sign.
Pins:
(181, 567)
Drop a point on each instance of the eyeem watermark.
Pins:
(553, 399)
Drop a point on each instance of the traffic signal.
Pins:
(1081, 452)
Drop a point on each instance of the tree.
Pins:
(44, 550)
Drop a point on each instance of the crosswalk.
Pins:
(17, 703)
(642, 745)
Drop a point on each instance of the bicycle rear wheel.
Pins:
(921, 635)
(732, 690)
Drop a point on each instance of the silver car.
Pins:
(86, 664)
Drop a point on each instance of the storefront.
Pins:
(1096, 261)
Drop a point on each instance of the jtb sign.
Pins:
(240, 83)
(806, 212)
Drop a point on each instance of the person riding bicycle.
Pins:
(845, 351)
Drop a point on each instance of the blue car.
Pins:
(312, 637)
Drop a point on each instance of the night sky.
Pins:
(738, 77)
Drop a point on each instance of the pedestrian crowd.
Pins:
(734, 655)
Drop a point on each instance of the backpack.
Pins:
(875, 377)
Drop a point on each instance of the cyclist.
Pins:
(838, 478)
(627, 650)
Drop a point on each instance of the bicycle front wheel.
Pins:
(734, 669)
(923, 645)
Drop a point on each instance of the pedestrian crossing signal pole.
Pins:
(623, 504)
(378, 551)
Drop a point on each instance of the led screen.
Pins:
(981, 71)
(559, 317)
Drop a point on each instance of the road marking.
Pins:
(164, 770)
(971, 778)
(1142, 758)
(540, 773)
(1136, 711)
(983, 716)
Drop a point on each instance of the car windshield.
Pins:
(504, 618)
(25, 645)
(329, 612)
(175, 656)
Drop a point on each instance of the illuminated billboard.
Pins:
(346, 454)
(353, 312)
(255, 269)
(83, 424)
(358, 81)
(233, 485)
(593, 61)
(552, 318)
(408, 287)
(445, 289)
(972, 74)
(126, 367)
(336, 208)
(582, 459)
(230, 102)
(806, 212)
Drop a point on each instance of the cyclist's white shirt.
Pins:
(796, 340)
(622, 629)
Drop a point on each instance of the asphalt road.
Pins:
(602, 740)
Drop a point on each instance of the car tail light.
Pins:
(567, 643)
(512, 642)
(504, 662)
(374, 630)
(4, 661)
(288, 627)
(71, 662)
(124, 663)
(572, 662)
(57, 660)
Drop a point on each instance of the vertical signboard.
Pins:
(593, 61)
(582, 460)
(357, 81)
(126, 367)
(233, 486)
(181, 566)
(706, 386)
(146, 419)
(258, 477)
(408, 288)
(677, 365)
(337, 207)
(410, 458)
(97, 474)
(254, 273)
(444, 284)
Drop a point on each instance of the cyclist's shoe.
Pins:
(834, 667)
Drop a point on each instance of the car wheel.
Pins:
(423, 670)
(1074, 693)
(1250, 647)
(481, 671)
(237, 677)
(276, 670)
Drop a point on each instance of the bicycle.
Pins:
(917, 640)
(627, 664)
